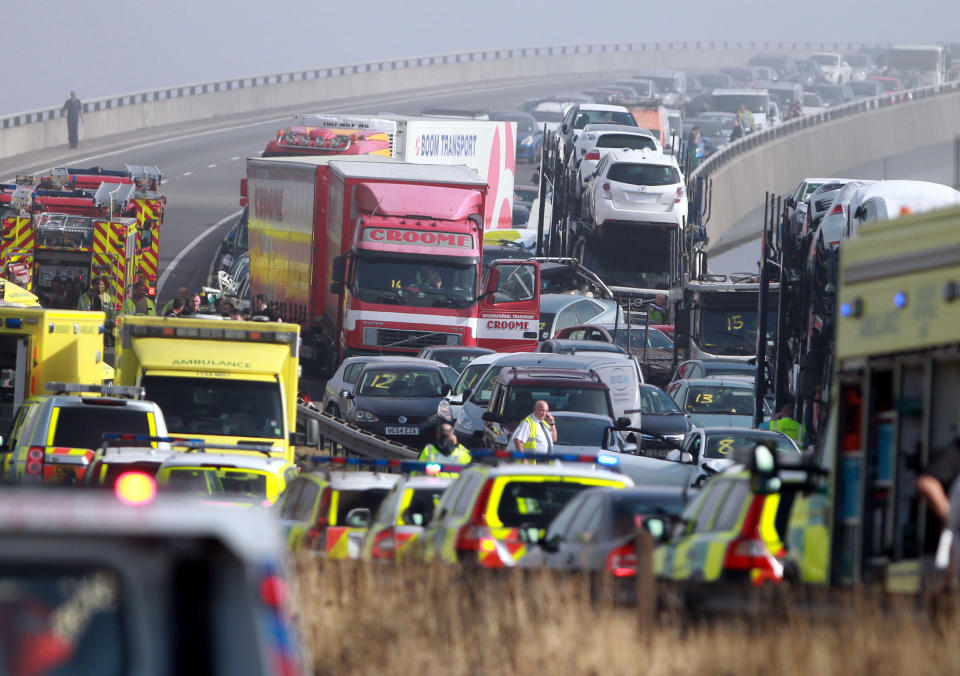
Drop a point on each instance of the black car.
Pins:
(595, 531)
(660, 417)
(399, 401)
(456, 358)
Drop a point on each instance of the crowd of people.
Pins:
(183, 304)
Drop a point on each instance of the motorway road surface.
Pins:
(204, 169)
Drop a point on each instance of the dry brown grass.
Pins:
(362, 619)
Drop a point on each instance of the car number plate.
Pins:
(403, 430)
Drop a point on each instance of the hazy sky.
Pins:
(103, 47)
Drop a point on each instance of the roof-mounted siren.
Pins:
(114, 196)
(22, 198)
(146, 177)
(59, 178)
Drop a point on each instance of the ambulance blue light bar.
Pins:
(199, 444)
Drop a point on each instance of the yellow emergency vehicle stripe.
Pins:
(54, 415)
(405, 501)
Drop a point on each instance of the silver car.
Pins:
(716, 402)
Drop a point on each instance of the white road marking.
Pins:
(234, 158)
(187, 173)
(196, 240)
(211, 166)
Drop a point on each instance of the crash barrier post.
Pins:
(645, 581)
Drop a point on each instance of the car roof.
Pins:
(716, 382)
(738, 92)
(354, 480)
(240, 460)
(617, 128)
(582, 416)
(462, 349)
(584, 471)
(603, 107)
(554, 302)
(419, 481)
(585, 345)
(524, 374)
(407, 364)
(642, 156)
(116, 455)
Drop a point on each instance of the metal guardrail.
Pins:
(185, 90)
(352, 439)
(751, 141)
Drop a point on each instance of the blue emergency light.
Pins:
(13, 322)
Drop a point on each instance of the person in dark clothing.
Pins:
(737, 131)
(933, 484)
(177, 308)
(693, 148)
(74, 112)
(260, 309)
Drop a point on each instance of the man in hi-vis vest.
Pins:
(537, 433)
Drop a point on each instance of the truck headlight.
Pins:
(464, 421)
(362, 415)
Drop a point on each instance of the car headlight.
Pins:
(362, 415)
(464, 421)
(443, 410)
(528, 141)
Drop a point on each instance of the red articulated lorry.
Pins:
(375, 256)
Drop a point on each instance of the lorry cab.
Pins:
(226, 383)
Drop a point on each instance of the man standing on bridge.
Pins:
(74, 112)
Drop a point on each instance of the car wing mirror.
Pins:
(445, 389)
(358, 517)
(346, 394)
(414, 518)
(550, 545)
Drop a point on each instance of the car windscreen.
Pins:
(400, 383)
(832, 93)
(643, 174)
(666, 84)
(628, 511)
(521, 399)
(469, 377)
(826, 59)
(656, 340)
(582, 431)
(455, 360)
(864, 88)
(348, 500)
(84, 426)
(63, 618)
(534, 504)
(707, 127)
(547, 116)
(243, 482)
(239, 408)
(727, 445)
(730, 103)
(655, 401)
(524, 123)
(632, 141)
(422, 502)
(585, 117)
(720, 400)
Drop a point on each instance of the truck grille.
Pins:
(408, 339)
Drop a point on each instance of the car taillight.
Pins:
(384, 546)
(470, 534)
(593, 155)
(606, 191)
(749, 553)
(680, 193)
(837, 210)
(622, 561)
(35, 461)
(315, 536)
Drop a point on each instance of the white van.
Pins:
(757, 102)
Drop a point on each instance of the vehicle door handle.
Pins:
(530, 334)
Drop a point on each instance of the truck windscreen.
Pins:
(239, 408)
(421, 283)
(731, 329)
